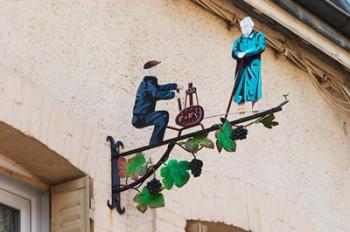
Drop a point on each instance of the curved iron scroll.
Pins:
(149, 172)
(115, 147)
(117, 188)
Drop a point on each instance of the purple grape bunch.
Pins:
(154, 186)
(196, 167)
(239, 133)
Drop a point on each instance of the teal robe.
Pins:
(248, 79)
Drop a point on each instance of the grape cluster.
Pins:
(239, 133)
(196, 167)
(154, 186)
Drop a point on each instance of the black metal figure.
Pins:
(148, 93)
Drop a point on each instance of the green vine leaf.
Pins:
(268, 121)
(136, 165)
(218, 146)
(198, 142)
(223, 138)
(147, 200)
(175, 173)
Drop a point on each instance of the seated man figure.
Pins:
(148, 93)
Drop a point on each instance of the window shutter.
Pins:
(206, 226)
(197, 227)
(70, 206)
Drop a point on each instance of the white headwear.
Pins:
(247, 25)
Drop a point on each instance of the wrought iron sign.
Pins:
(247, 88)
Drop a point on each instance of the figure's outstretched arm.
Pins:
(171, 86)
(165, 94)
(259, 47)
(159, 93)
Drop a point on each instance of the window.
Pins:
(28, 204)
(24, 208)
(9, 219)
(202, 226)
(20, 206)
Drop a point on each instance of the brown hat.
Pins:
(151, 64)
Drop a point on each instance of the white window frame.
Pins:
(19, 203)
(25, 198)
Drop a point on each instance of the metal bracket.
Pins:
(115, 154)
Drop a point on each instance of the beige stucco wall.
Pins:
(88, 55)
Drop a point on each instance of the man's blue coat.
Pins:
(149, 92)
(248, 81)
(144, 114)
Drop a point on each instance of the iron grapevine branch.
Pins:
(143, 171)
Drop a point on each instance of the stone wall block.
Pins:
(117, 226)
(230, 204)
(281, 206)
(16, 99)
(91, 164)
(253, 196)
(265, 213)
(240, 210)
(195, 198)
(5, 98)
(27, 95)
(164, 213)
(186, 209)
(69, 135)
(46, 111)
(104, 217)
(226, 199)
(103, 160)
(99, 228)
(85, 148)
(179, 221)
(205, 197)
(35, 110)
(57, 128)
(303, 222)
(79, 130)
(166, 225)
(233, 205)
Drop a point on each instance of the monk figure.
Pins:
(247, 50)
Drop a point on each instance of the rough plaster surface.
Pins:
(89, 54)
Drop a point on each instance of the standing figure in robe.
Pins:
(247, 50)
